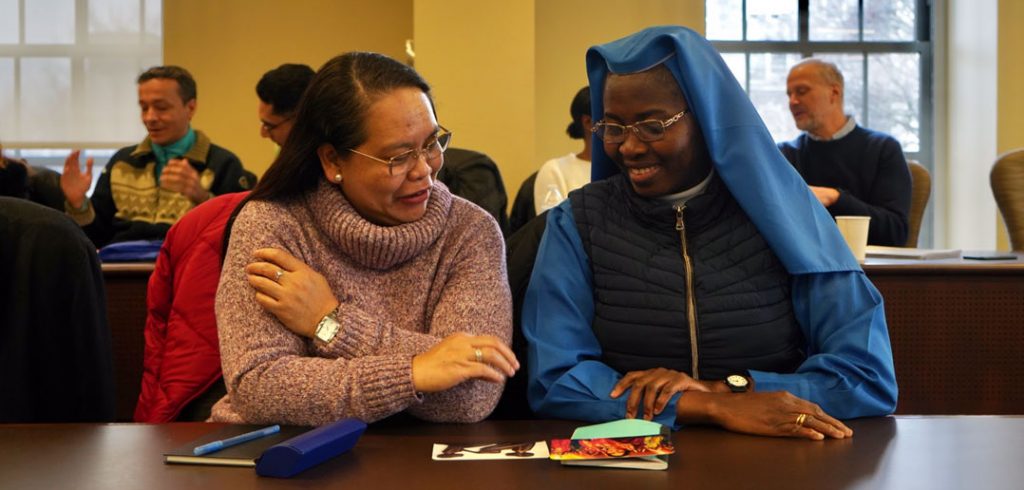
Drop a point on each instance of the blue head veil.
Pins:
(796, 226)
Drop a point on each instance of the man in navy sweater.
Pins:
(852, 170)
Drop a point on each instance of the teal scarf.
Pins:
(174, 150)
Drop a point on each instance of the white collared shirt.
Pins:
(843, 131)
(683, 196)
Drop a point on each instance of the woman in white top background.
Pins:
(558, 176)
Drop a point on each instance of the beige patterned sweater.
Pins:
(402, 289)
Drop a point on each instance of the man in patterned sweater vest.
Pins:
(146, 188)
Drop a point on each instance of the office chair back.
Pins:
(1007, 179)
(921, 191)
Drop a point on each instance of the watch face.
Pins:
(737, 381)
(327, 329)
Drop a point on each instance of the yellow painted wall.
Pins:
(479, 57)
(503, 73)
(1010, 118)
(229, 44)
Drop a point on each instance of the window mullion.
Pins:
(860, 20)
(864, 67)
(864, 90)
(21, 22)
(803, 21)
(744, 36)
(746, 81)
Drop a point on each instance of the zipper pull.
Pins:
(679, 217)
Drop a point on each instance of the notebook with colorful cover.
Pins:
(627, 443)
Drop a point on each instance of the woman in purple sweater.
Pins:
(355, 284)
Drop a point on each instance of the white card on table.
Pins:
(496, 451)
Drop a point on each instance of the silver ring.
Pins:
(479, 355)
(277, 275)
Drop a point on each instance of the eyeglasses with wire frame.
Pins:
(268, 127)
(647, 130)
(403, 162)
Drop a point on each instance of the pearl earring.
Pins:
(338, 178)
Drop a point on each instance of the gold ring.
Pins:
(277, 275)
(800, 419)
(479, 355)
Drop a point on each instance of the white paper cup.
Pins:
(855, 231)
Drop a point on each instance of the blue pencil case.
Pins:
(131, 251)
(302, 452)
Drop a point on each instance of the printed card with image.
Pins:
(610, 448)
(496, 451)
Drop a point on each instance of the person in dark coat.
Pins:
(55, 347)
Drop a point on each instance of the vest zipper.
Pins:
(691, 303)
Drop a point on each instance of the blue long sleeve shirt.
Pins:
(848, 371)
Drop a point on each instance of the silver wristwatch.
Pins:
(327, 328)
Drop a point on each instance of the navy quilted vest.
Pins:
(744, 314)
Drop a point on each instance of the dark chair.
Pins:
(1007, 179)
(475, 177)
(522, 207)
(921, 190)
(521, 250)
(55, 348)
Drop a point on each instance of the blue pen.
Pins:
(234, 441)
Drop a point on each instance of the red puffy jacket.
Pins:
(182, 357)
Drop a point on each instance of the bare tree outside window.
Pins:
(895, 88)
(889, 20)
(834, 20)
(772, 20)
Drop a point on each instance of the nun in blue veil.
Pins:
(697, 279)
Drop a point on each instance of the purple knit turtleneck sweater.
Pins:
(402, 289)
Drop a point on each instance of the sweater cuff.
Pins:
(847, 205)
(387, 385)
(83, 217)
(359, 334)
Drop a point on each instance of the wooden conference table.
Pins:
(898, 453)
(957, 331)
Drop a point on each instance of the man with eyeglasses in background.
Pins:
(146, 188)
(852, 170)
(279, 91)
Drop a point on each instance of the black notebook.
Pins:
(244, 454)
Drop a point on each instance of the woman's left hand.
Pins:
(296, 294)
(654, 387)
